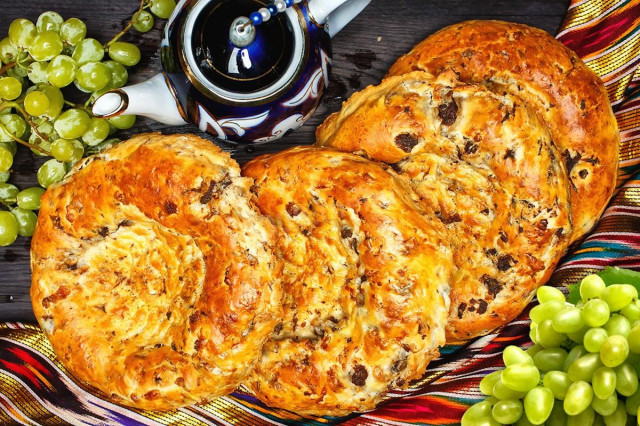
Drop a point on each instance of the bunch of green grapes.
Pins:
(38, 60)
(582, 370)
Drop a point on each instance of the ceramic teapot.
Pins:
(242, 70)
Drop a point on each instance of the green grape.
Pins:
(618, 325)
(631, 312)
(614, 351)
(626, 379)
(88, 50)
(584, 367)
(6, 159)
(46, 129)
(14, 125)
(547, 335)
(595, 313)
(56, 102)
(558, 383)
(520, 377)
(557, 417)
(98, 131)
(125, 53)
(8, 228)
(102, 146)
(604, 382)
(586, 417)
(22, 32)
(632, 403)
(594, 338)
(578, 398)
(507, 411)
(534, 349)
(591, 286)
(550, 359)
(538, 404)
(93, 76)
(37, 72)
(568, 320)
(618, 418)
(26, 220)
(546, 311)
(502, 392)
(49, 21)
(36, 103)
(605, 406)
(578, 336)
(8, 193)
(62, 150)
(547, 294)
(515, 355)
(19, 73)
(143, 21)
(4, 176)
(162, 8)
(488, 382)
(11, 146)
(8, 52)
(523, 422)
(533, 333)
(10, 88)
(119, 74)
(51, 172)
(30, 198)
(575, 353)
(61, 71)
(123, 122)
(73, 31)
(78, 151)
(46, 46)
(72, 123)
(634, 339)
(476, 412)
(618, 296)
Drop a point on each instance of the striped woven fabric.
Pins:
(35, 389)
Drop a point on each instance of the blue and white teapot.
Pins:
(242, 70)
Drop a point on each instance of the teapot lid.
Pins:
(260, 71)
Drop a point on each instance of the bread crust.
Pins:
(488, 168)
(154, 275)
(569, 96)
(365, 281)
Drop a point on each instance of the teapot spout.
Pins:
(152, 98)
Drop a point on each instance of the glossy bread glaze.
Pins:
(365, 280)
(154, 275)
(551, 79)
(488, 168)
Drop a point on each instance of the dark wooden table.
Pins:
(363, 52)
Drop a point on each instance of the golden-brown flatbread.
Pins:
(365, 280)
(154, 275)
(550, 79)
(488, 168)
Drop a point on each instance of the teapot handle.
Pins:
(336, 14)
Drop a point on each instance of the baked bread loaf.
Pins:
(366, 274)
(154, 275)
(549, 78)
(488, 168)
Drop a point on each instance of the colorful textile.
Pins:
(35, 389)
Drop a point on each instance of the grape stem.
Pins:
(7, 67)
(27, 144)
(143, 4)
(31, 124)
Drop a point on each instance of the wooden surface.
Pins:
(363, 52)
